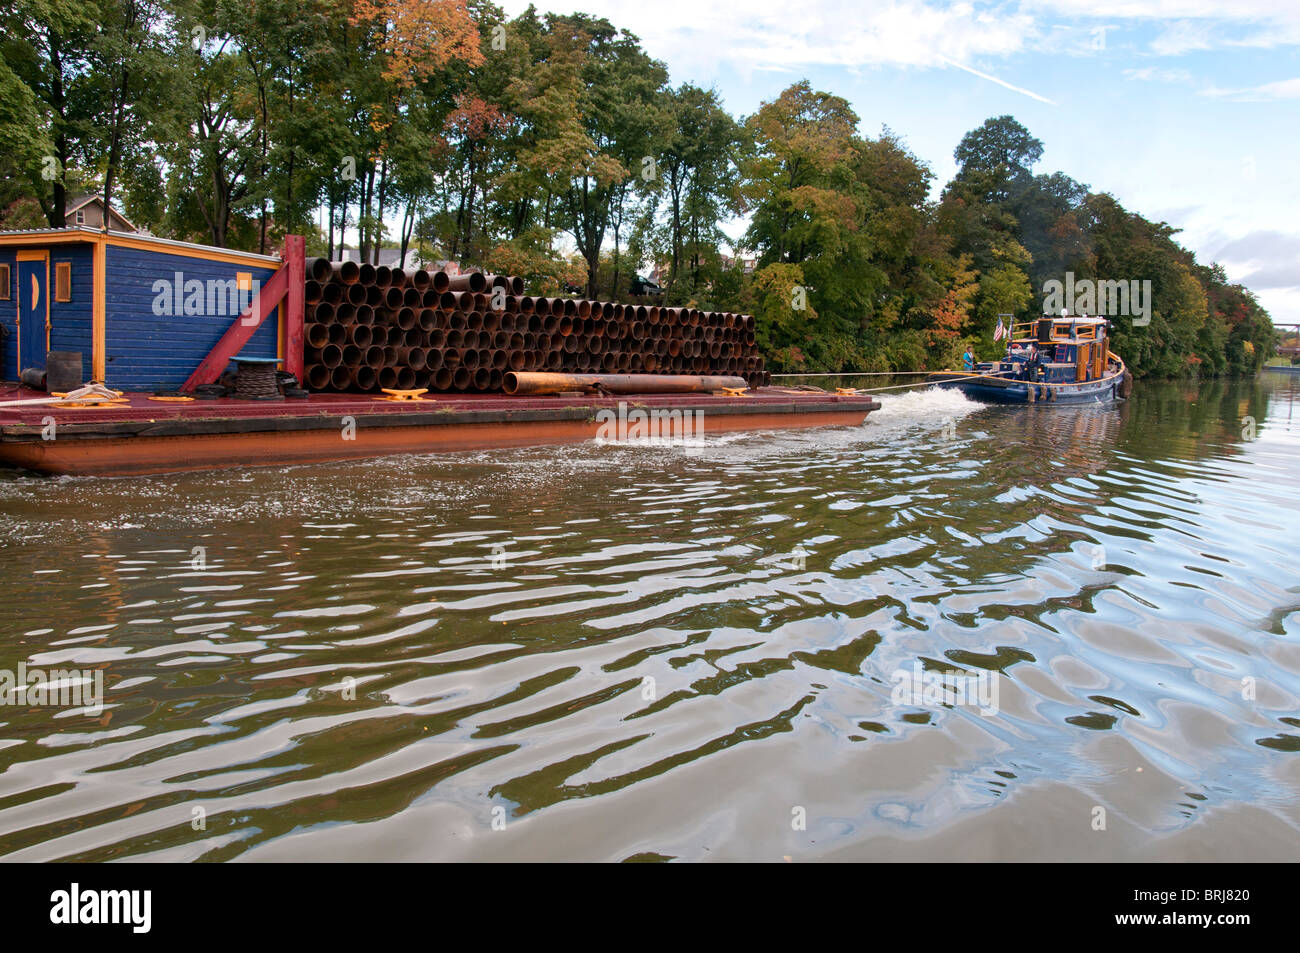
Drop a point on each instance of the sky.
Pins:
(1187, 111)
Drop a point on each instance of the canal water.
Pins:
(956, 632)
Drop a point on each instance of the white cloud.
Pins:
(842, 33)
(1155, 74)
(1282, 89)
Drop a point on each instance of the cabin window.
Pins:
(81, 217)
(63, 281)
(4, 283)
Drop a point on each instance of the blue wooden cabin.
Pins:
(143, 311)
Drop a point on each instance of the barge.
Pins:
(161, 323)
(146, 435)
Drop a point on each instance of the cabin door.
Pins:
(1081, 365)
(33, 309)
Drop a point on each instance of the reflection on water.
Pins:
(616, 652)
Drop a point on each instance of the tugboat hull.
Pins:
(1000, 391)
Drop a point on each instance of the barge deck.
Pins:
(145, 435)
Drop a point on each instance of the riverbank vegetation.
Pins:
(557, 148)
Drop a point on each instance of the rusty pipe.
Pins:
(471, 281)
(319, 269)
(366, 273)
(347, 272)
(442, 378)
(537, 384)
(342, 377)
(317, 376)
(365, 377)
(331, 355)
(318, 335)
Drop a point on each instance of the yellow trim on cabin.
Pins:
(222, 255)
(34, 255)
(99, 315)
(73, 236)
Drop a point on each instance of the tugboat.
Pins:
(1061, 360)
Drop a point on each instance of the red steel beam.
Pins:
(295, 259)
(237, 335)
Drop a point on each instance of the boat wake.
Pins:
(924, 407)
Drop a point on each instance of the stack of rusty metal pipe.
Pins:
(371, 327)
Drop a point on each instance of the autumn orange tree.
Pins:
(410, 44)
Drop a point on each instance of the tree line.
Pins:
(555, 147)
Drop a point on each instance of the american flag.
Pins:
(999, 332)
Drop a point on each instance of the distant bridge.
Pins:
(1289, 350)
